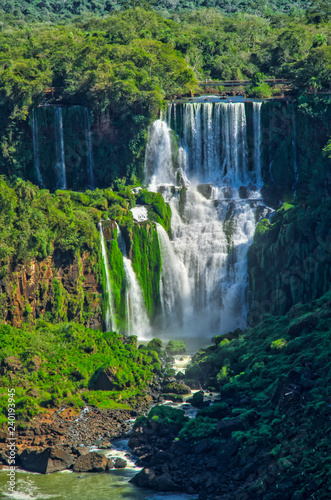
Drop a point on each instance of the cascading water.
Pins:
(137, 319)
(110, 322)
(89, 146)
(60, 166)
(35, 137)
(204, 266)
(257, 142)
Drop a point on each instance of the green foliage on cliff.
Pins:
(36, 224)
(279, 372)
(146, 260)
(277, 391)
(53, 364)
(289, 261)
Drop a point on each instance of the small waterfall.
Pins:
(174, 285)
(137, 318)
(110, 322)
(158, 157)
(89, 146)
(60, 166)
(204, 265)
(257, 141)
(35, 136)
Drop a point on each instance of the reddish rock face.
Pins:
(29, 291)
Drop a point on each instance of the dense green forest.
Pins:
(57, 9)
(130, 61)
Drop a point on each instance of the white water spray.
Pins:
(60, 166)
(110, 322)
(257, 142)
(35, 136)
(204, 265)
(137, 318)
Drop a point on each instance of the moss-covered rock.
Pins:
(175, 347)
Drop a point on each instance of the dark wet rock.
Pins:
(206, 190)
(104, 380)
(226, 451)
(246, 191)
(227, 426)
(93, 462)
(120, 463)
(162, 457)
(197, 399)
(287, 395)
(148, 479)
(45, 461)
(193, 384)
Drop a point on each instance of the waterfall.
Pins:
(215, 136)
(158, 157)
(174, 284)
(257, 141)
(110, 322)
(204, 265)
(137, 318)
(35, 137)
(88, 134)
(60, 166)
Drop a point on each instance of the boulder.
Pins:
(175, 347)
(104, 380)
(206, 190)
(175, 398)
(197, 399)
(155, 345)
(120, 463)
(176, 388)
(228, 425)
(46, 461)
(93, 462)
(147, 478)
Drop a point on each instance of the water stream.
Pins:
(137, 318)
(110, 322)
(213, 191)
(60, 166)
(35, 135)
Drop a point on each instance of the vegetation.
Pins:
(289, 258)
(126, 63)
(36, 225)
(275, 391)
(53, 366)
(175, 347)
(56, 10)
